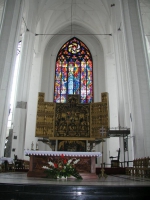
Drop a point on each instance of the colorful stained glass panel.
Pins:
(74, 72)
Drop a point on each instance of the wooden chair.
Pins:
(115, 163)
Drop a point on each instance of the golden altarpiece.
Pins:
(72, 121)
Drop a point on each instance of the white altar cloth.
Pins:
(9, 160)
(65, 153)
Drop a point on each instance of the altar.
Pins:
(38, 159)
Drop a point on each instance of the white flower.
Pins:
(51, 164)
(76, 161)
(69, 161)
(45, 167)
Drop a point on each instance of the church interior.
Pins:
(75, 82)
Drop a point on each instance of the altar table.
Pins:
(38, 159)
(9, 160)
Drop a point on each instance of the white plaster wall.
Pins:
(112, 144)
(32, 102)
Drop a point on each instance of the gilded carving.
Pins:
(71, 145)
(99, 116)
(72, 119)
(45, 118)
(41, 97)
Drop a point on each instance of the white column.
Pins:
(9, 37)
(26, 64)
(121, 74)
(138, 87)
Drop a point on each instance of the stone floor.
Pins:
(111, 180)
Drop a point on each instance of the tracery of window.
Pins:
(74, 72)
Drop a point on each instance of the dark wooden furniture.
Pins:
(115, 162)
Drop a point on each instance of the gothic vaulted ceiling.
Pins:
(82, 17)
(94, 15)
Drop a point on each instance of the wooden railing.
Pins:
(21, 164)
(141, 167)
(16, 165)
(5, 166)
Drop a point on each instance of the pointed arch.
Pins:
(74, 72)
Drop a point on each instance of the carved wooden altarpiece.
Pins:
(72, 120)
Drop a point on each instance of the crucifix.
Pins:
(102, 174)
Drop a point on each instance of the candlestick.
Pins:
(102, 174)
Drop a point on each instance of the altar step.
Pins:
(72, 192)
(108, 171)
(112, 170)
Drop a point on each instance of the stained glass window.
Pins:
(74, 72)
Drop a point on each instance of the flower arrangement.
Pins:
(62, 167)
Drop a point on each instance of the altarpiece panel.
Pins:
(72, 120)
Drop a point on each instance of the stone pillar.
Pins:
(24, 80)
(9, 37)
(138, 79)
(121, 74)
